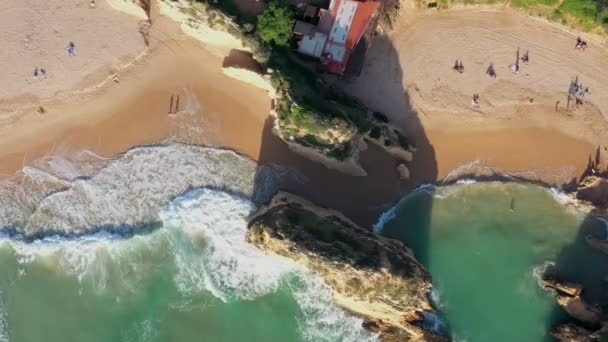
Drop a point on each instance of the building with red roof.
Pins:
(338, 32)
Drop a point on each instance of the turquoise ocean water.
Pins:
(150, 246)
(486, 246)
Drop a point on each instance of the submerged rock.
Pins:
(375, 278)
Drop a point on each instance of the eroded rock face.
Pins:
(594, 189)
(373, 277)
(568, 296)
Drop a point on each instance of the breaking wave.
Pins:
(88, 222)
(66, 197)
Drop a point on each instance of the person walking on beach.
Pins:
(525, 58)
(458, 66)
(491, 72)
(36, 73)
(580, 44)
(71, 49)
(515, 68)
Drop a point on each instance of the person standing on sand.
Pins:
(36, 73)
(475, 100)
(71, 49)
(491, 72)
(525, 58)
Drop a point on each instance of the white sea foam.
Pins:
(231, 269)
(386, 217)
(203, 230)
(539, 271)
(391, 213)
(466, 181)
(322, 320)
(3, 326)
(127, 191)
(226, 264)
(560, 196)
(90, 259)
(435, 297)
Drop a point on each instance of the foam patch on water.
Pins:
(126, 191)
(560, 196)
(435, 297)
(386, 217)
(90, 259)
(466, 181)
(204, 232)
(3, 325)
(323, 321)
(231, 269)
(539, 271)
(391, 213)
(227, 266)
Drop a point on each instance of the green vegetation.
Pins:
(313, 114)
(587, 15)
(275, 24)
(309, 111)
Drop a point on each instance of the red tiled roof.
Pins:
(362, 18)
(364, 14)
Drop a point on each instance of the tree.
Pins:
(275, 24)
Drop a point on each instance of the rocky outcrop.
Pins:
(568, 296)
(591, 325)
(375, 278)
(593, 189)
(575, 333)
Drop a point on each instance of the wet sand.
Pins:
(548, 153)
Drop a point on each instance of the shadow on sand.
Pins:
(364, 199)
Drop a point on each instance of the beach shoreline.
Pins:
(218, 110)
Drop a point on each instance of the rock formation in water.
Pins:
(568, 296)
(592, 324)
(593, 189)
(375, 278)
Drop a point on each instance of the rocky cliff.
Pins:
(591, 322)
(375, 278)
(593, 189)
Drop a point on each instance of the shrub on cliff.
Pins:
(275, 25)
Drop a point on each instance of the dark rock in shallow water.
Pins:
(593, 189)
(575, 333)
(375, 278)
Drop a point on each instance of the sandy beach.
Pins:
(516, 127)
(130, 106)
